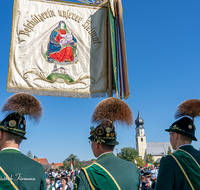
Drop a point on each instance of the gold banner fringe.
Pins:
(57, 94)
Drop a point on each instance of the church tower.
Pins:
(140, 136)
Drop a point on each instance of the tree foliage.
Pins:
(155, 163)
(71, 157)
(140, 162)
(76, 162)
(29, 154)
(128, 153)
(149, 158)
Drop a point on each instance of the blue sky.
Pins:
(163, 53)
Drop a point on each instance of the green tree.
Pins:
(149, 158)
(35, 156)
(93, 159)
(72, 157)
(140, 161)
(128, 153)
(29, 154)
(76, 162)
(66, 165)
(155, 163)
(78, 165)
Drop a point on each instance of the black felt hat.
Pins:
(184, 126)
(14, 123)
(52, 178)
(64, 177)
(104, 133)
(146, 174)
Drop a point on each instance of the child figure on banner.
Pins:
(68, 39)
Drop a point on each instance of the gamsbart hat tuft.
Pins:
(107, 113)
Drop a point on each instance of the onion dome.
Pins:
(139, 121)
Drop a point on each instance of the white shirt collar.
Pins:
(102, 154)
(65, 187)
(10, 148)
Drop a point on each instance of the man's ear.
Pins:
(97, 145)
(176, 135)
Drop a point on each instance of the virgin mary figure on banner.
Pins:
(62, 44)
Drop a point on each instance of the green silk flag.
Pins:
(5, 182)
(99, 178)
(113, 49)
(189, 167)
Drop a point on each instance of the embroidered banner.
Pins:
(58, 49)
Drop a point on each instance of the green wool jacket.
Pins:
(170, 175)
(124, 172)
(25, 173)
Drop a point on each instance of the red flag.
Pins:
(72, 164)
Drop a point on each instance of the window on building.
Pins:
(141, 139)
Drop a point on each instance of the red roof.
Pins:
(42, 161)
(58, 164)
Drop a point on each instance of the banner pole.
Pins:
(123, 51)
(118, 49)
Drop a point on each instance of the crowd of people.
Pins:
(61, 179)
(148, 178)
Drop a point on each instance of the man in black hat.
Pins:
(109, 172)
(17, 171)
(180, 170)
(146, 184)
(64, 185)
(52, 182)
